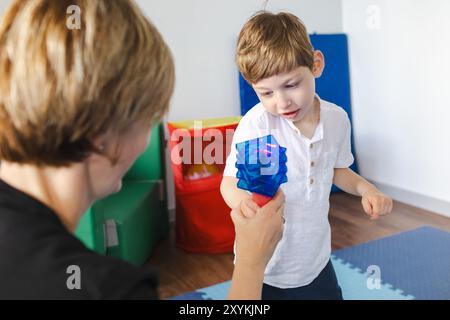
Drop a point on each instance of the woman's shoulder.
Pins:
(45, 261)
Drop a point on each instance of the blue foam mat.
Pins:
(413, 265)
(416, 262)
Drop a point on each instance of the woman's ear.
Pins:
(107, 146)
(318, 64)
(101, 144)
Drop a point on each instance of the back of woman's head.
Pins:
(60, 88)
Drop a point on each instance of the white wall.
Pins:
(202, 35)
(401, 99)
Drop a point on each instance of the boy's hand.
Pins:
(376, 204)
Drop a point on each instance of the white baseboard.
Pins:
(415, 199)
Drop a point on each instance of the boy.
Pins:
(275, 56)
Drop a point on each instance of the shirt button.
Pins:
(310, 146)
(312, 163)
(311, 181)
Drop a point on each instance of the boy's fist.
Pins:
(376, 204)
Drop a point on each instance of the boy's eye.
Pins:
(266, 93)
(292, 85)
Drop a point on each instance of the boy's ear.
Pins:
(319, 63)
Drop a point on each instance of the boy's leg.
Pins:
(324, 287)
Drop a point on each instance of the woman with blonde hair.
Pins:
(76, 109)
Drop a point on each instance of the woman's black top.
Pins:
(40, 259)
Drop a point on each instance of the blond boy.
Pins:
(275, 56)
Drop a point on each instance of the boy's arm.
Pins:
(232, 195)
(374, 202)
(349, 181)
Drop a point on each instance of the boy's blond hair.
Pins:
(61, 88)
(270, 44)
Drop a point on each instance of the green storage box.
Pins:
(91, 230)
(141, 204)
(136, 220)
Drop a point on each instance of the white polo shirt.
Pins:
(305, 248)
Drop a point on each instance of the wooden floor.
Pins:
(181, 272)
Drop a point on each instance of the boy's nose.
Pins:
(283, 103)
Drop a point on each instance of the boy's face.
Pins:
(290, 95)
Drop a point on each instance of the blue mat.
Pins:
(413, 265)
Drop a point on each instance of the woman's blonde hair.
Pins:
(60, 88)
(270, 44)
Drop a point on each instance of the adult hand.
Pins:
(257, 235)
(258, 230)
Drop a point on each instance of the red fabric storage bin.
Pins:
(203, 222)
